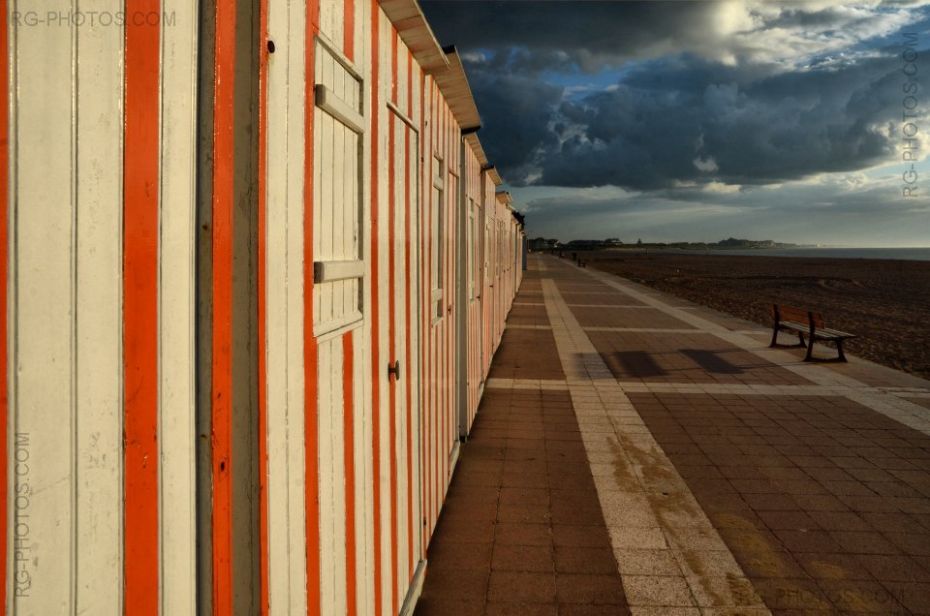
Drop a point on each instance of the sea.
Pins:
(907, 254)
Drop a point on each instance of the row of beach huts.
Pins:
(257, 267)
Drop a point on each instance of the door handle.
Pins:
(394, 370)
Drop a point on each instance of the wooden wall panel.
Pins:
(176, 369)
(353, 464)
(102, 314)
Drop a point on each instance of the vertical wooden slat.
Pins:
(264, 481)
(223, 205)
(408, 247)
(374, 108)
(298, 344)
(392, 316)
(311, 435)
(327, 392)
(348, 29)
(140, 312)
(178, 537)
(42, 316)
(98, 314)
(5, 257)
(348, 399)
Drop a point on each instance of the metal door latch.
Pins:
(394, 370)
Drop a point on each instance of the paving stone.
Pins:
(521, 587)
(522, 558)
(585, 560)
(590, 588)
(657, 591)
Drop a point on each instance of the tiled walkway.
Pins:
(636, 454)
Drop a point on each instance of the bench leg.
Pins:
(810, 351)
(801, 342)
(839, 350)
(774, 337)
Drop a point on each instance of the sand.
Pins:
(885, 302)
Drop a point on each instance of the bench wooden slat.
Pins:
(826, 331)
(809, 322)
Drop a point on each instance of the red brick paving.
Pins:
(527, 354)
(522, 531)
(528, 315)
(626, 317)
(685, 358)
(607, 297)
(824, 503)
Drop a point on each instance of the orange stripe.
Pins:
(375, 325)
(433, 348)
(348, 34)
(444, 346)
(440, 340)
(4, 264)
(392, 311)
(311, 408)
(223, 197)
(140, 314)
(424, 407)
(427, 314)
(262, 313)
(407, 289)
(348, 428)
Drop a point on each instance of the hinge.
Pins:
(394, 370)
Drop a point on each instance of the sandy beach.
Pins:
(885, 302)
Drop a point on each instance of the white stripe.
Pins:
(98, 345)
(635, 510)
(284, 311)
(42, 314)
(176, 313)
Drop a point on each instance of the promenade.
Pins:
(635, 453)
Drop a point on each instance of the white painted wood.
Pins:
(98, 314)
(402, 116)
(415, 173)
(363, 336)
(66, 300)
(334, 105)
(400, 328)
(380, 371)
(284, 310)
(332, 15)
(338, 534)
(296, 296)
(176, 399)
(42, 364)
(328, 271)
(327, 390)
(337, 190)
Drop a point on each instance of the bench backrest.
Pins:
(797, 315)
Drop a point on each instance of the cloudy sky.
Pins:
(698, 121)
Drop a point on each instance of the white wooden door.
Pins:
(404, 284)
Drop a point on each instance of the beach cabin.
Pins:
(257, 267)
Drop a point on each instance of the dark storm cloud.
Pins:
(709, 91)
(517, 110)
(589, 34)
(697, 122)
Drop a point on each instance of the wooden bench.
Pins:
(789, 318)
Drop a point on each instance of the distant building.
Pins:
(539, 244)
